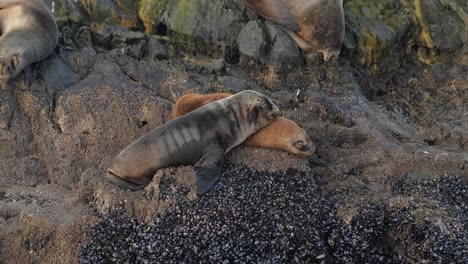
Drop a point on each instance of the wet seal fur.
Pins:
(315, 25)
(28, 34)
(281, 134)
(200, 138)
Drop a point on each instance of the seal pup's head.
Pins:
(283, 134)
(293, 137)
(301, 145)
(257, 108)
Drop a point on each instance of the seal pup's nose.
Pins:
(275, 112)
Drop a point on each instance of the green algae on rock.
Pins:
(112, 12)
(189, 23)
(383, 32)
(377, 29)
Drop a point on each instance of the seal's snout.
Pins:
(305, 149)
(275, 112)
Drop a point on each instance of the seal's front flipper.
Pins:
(208, 170)
(124, 183)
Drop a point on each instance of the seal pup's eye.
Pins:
(300, 145)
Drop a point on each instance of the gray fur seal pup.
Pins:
(315, 25)
(282, 134)
(199, 138)
(28, 34)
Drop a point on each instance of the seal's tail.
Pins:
(124, 183)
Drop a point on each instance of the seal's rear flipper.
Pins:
(274, 10)
(208, 170)
(124, 183)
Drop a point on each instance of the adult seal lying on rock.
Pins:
(282, 134)
(315, 25)
(200, 138)
(28, 34)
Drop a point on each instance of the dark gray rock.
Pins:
(447, 35)
(56, 76)
(378, 32)
(122, 37)
(67, 38)
(80, 61)
(124, 41)
(111, 37)
(135, 51)
(149, 74)
(156, 50)
(374, 32)
(253, 41)
(233, 84)
(83, 37)
(102, 37)
(218, 21)
(313, 89)
(217, 66)
(284, 51)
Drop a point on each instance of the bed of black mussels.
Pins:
(279, 217)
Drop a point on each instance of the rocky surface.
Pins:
(388, 182)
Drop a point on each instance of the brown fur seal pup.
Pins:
(28, 34)
(200, 138)
(282, 134)
(315, 25)
(192, 101)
